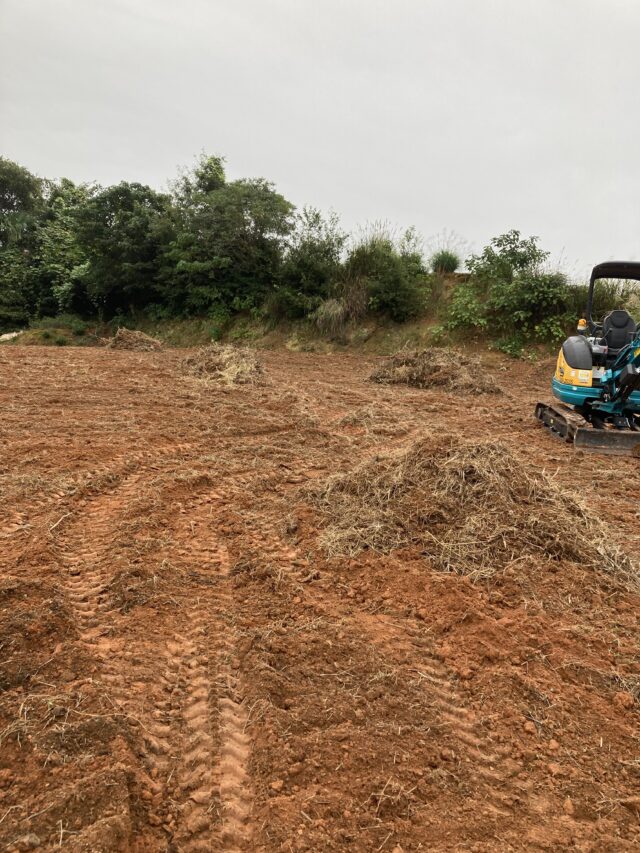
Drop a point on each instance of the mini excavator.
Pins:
(597, 378)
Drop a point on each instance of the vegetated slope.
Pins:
(184, 668)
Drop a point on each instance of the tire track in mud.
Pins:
(485, 759)
(232, 773)
(203, 728)
(83, 552)
(192, 743)
(170, 707)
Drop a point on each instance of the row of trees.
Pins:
(209, 246)
(214, 247)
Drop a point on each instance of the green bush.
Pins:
(62, 321)
(445, 262)
(392, 287)
(531, 302)
(219, 317)
(466, 309)
(511, 296)
(60, 341)
(512, 345)
(284, 303)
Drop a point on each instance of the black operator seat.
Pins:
(618, 330)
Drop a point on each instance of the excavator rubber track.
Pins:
(568, 425)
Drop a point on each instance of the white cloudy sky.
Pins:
(473, 116)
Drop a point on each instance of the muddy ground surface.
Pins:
(181, 669)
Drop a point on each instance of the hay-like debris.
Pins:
(128, 339)
(225, 363)
(474, 509)
(436, 367)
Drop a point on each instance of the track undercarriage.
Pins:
(571, 426)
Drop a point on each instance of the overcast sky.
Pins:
(471, 116)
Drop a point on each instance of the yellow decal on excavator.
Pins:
(570, 375)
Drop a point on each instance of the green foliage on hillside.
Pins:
(511, 296)
(213, 248)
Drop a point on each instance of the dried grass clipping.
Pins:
(225, 363)
(473, 508)
(436, 368)
(128, 339)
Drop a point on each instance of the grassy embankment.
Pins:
(372, 335)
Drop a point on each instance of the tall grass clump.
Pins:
(331, 317)
(608, 295)
(445, 262)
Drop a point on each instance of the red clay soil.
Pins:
(181, 669)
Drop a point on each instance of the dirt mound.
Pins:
(436, 368)
(226, 363)
(127, 339)
(474, 508)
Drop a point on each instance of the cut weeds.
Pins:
(436, 368)
(474, 509)
(226, 363)
(127, 339)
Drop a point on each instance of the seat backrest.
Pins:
(618, 329)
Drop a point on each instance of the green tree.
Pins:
(20, 191)
(311, 264)
(229, 242)
(206, 176)
(61, 263)
(122, 233)
(20, 207)
(506, 256)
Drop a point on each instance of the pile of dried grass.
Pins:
(128, 339)
(226, 363)
(436, 368)
(474, 509)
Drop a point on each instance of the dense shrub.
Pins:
(511, 296)
(283, 303)
(531, 301)
(311, 264)
(467, 309)
(391, 278)
(214, 247)
(75, 324)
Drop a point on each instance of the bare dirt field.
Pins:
(183, 668)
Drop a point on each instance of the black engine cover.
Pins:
(577, 353)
